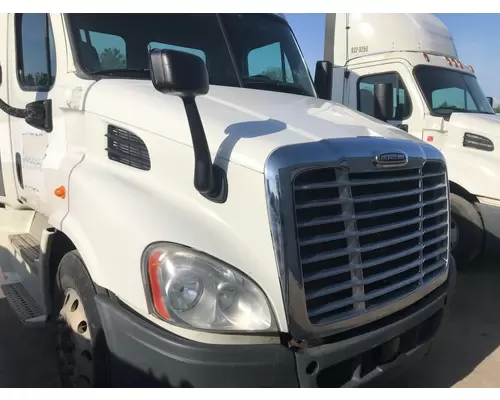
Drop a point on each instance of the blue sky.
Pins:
(475, 37)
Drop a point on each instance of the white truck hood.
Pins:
(242, 125)
(485, 124)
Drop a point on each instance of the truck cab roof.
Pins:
(360, 34)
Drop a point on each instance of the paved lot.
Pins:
(466, 353)
(25, 354)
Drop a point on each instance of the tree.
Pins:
(273, 73)
(112, 58)
(37, 79)
(497, 109)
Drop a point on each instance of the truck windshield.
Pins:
(447, 91)
(256, 51)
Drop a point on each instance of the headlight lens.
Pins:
(193, 289)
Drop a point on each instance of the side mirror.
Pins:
(37, 114)
(323, 79)
(490, 100)
(384, 101)
(185, 75)
(178, 73)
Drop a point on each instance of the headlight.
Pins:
(190, 288)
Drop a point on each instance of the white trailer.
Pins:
(427, 91)
(182, 209)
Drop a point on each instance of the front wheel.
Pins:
(466, 232)
(81, 349)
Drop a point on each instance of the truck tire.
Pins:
(82, 354)
(466, 232)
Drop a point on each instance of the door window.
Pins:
(36, 58)
(401, 98)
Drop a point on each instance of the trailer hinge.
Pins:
(297, 344)
(347, 73)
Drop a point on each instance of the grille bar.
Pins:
(374, 278)
(342, 218)
(368, 231)
(386, 196)
(359, 182)
(335, 306)
(366, 239)
(396, 240)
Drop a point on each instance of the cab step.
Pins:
(23, 305)
(29, 248)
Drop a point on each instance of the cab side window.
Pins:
(269, 61)
(102, 50)
(366, 98)
(36, 58)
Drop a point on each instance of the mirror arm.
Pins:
(12, 111)
(204, 180)
(209, 179)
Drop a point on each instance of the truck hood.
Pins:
(483, 124)
(242, 125)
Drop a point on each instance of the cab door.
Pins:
(407, 111)
(37, 153)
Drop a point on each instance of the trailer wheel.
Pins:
(466, 232)
(81, 349)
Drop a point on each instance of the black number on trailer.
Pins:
(359, 49)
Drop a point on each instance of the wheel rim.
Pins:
(454, 233)
(75, 341)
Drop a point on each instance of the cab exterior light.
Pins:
(194, 290)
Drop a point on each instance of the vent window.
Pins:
(477, 142)
(126, 148)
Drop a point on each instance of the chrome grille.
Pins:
(367, 239)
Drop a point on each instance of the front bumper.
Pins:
(145, 355)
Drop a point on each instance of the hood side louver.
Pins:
(477, 142)
(126, 148)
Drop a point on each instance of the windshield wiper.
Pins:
(457, 109)
(121, 71)
(275, 85)
(451, 108)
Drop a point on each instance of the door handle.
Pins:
(19, 170)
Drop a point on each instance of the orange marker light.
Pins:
(60, 192)
(154, 265)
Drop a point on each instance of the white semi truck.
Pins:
(425, 90)
(183, 209)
